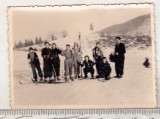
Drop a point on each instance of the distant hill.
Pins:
(138, 26)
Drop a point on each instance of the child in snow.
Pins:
(35, 64)
(106, 69)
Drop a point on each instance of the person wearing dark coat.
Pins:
(35, 64)
(146, 63)
(98, 57)
(106, 69)
(47, 67)
(120, 57)
(88, 67)
(55, 60)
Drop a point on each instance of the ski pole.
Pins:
(54, 72)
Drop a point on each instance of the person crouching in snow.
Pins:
(88, 67)
(35, 64)
(68, 63)
(106, 69)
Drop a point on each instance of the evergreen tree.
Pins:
(15, 45)
(36, 41)
(26, 43)
(64, 33)
(19, 45)
(31, 42)
(53, 37)
(40, 40)
(91, 27)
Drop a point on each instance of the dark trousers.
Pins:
(34, 67)
(106, 73)
(56, 67)
(87, 70)
(47, 68)
(119, 64)
(98, 66)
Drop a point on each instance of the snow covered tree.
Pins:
(64, 33)
(52, 37)
(102, 34)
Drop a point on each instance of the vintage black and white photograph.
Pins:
(97, 56)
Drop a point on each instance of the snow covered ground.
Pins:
(135, 89)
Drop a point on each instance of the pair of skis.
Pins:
(81, 72)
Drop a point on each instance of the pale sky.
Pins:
(32, 22)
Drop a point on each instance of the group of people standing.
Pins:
(74, 60)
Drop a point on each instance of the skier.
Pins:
(68, 63)
(35, 64)
(47, 67)
(106, 69)
(88, 67)
(55, 61)
(98, 57)
(119, 62)
(76, 59)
